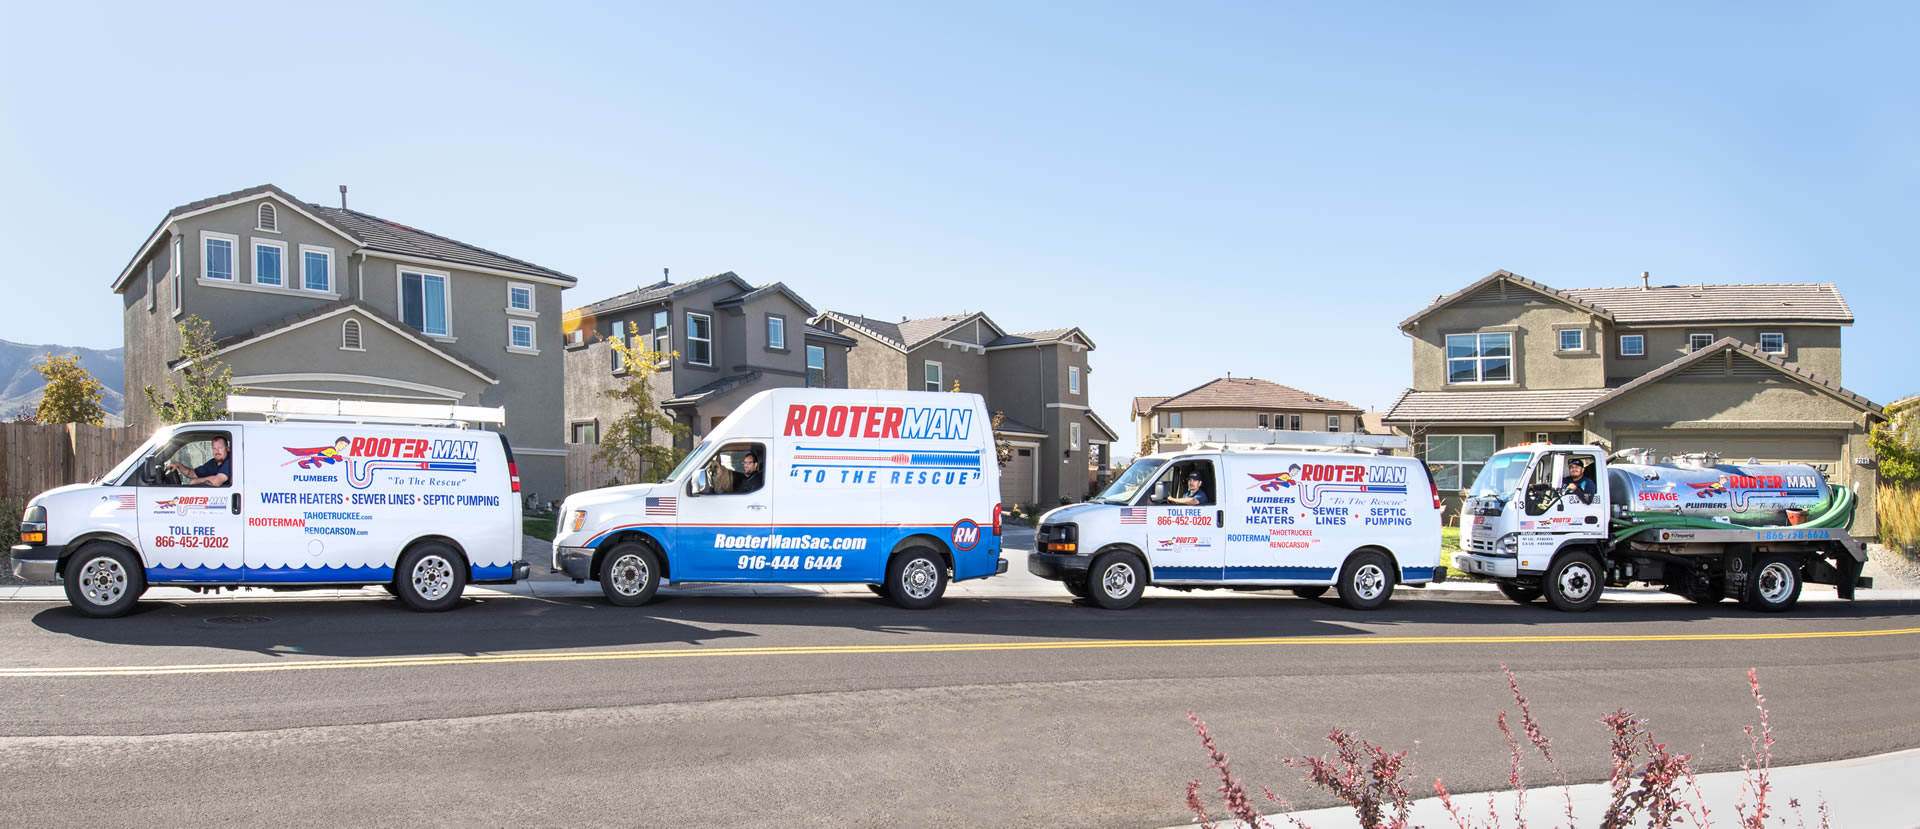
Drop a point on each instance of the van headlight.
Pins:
(579, 518)
(1509, 544)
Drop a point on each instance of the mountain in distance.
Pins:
(21, 385)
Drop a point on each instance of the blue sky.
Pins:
(1260, 189)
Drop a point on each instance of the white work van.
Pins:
(353, 494)
(1291, 515)
(898, 490)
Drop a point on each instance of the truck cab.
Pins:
(1530, 502)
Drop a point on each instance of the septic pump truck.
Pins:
(1538, 526)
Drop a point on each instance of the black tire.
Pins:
(104, 580)
(1078, 587)
(1574, 581)
(878, 590)
(1774, 585)
(916, 578)
(1311, 592)
(630, 574)
(430, 577)
(1116, 580)
(1520, 593)
(1366, 580)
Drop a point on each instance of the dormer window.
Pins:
(269, 218)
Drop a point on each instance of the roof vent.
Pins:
(1644, 277)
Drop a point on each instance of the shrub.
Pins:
(10, 515)
(1900, 517)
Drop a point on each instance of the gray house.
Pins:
(1037, 381)
(323, 302)
(733, 340)
(1744, 371)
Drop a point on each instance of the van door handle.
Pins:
(1219, 518)
(756, 506)
(1593, 519)
(236, 503)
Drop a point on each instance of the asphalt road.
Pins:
(844, 710)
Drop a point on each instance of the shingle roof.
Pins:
(1008, 424)
(1142, 405)
(822, 334)
(1252, 393)
(720, 386)
(1730, 344)
(387, 235)
(1507, 406)
(764, 290)
(1633, 305)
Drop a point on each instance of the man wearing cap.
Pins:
(751, 478)
(1196, 494)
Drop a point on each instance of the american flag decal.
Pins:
(1133, 515)
(129, 502)
(661, 506)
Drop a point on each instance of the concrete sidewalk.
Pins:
(1862, 793)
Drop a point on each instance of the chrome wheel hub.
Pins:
(1369, 581)
(920, 577)
(1776, 582)
(433, 577)
(103, 581)
(1576, 581)
(629, 575)
(1118, 580)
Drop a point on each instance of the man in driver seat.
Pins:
(217, 471)
(1577, 483)
(1195, 494)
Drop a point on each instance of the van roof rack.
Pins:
(1275, 439)
(276, 409)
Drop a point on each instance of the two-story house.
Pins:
(1744, 371)
(733, 339)
(1238, 403)
(1036, 382)
(311, 301)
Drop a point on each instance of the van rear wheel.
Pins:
(630, 575)
(1310, 592)
(1520, 593)
(1366, 581)
(430, 578)
(104, 580)
(916, 578)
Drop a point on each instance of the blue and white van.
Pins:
(894, 489)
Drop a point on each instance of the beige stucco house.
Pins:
(1745, 371)
(1238, 403)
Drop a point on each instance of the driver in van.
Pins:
(750, 479)
(1196, 493)
(1577, 483)
(217, 471)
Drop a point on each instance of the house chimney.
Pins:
(343, 197)
(1643, 280)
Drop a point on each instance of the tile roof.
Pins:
(1142, 405)
(881, 330)
(766, 290)
(1252, 393)
(336, 306)
(1511, 278)
(1111, 434)
(1730, 344)
(390, 236)
(654, 293)
(1633, 305)
(1509, 406)
(822, 334)
(720, 386)
(1008, 424)
(1051, 335)
(915, 332)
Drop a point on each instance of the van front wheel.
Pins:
(916, 578)
(430, 577)
(630, 575)
(105, 580)
(1117, 580)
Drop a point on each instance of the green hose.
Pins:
(1835, 512)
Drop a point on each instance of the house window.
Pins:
(150, 282)
(520, 335)
(1456, 459)
(576, 338)
(1542, 437)
(1775, 343)
(776, 332)
(1073, 379)
(316, 269)
(816, 367)
(662, 333)
(617, 335)
(1696, 342)
(269, 220)
(218, 261)
(1479, 358)
(179, 266)
(1295, 423)
(1173, 420)
(423, 302)
(933, 370)
(519, 297)
(1333, 423)
(699, 339)
(1073, 436)
(269, 262)
(1573, 339)
(587, 432)
(350, 336)
(1633, 345)
(1263, 421)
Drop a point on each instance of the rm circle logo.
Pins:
(966, 534)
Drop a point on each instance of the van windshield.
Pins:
(685, 462)
(1123, 488)
(1500, 478)
(119, 471)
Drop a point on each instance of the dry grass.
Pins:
(1900, 517)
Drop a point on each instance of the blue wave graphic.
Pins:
(197, 574)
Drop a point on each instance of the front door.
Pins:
(192, 532)
(724, 531)
(1184, 540)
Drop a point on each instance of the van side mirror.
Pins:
(701, 484)
(1158, 494)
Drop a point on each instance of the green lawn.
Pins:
(1450, 544)
(539, 526)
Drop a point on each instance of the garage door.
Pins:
(1821, 449)
(1016, 480)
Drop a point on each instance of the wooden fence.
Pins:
(34, 459)
(583, 472)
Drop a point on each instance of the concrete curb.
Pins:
(1868, 792)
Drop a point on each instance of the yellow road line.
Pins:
(953, 647)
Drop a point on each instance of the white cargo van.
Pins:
(1284, 516)
(352, 494)
(899, 490)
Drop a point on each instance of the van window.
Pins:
(1176, 481)
(685, 462)
(1130, 482)
(194, 451)
(737, 469)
